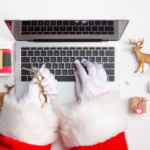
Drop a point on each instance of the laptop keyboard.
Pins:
(60, 60)
(67, 27)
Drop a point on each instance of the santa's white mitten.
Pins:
(90, 84)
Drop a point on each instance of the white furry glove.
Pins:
(31, 94)
(93, 84)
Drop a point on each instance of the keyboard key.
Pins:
(43, 28)
(64, 72)
(52, 71)
(36, 53)
(78, 32)
(85, 32)
(111, 48)
(65, 48)
(28, 66)
(73, 66)
(97, 22)
(25, 59)
(88, 28)
(85, 48)
(30, 28)
(59, 48)
(43, 53)
(33, 59)
(94, 28)
(25, 72)
(70, 72)
(30, 53)
(109, 65)
(25, 48)
(111, 59)
(72, 48)
(65, 23)
(95, 53)
(62, 28)
(110, 72)
(85, 58)
(82, 53)
(78, 22)
(40, 65)
(49, 28)
(46, 59)
(58, 72)
(75, 53)
(40, 59)
(66, 59)
(59, 59)
(62, 53)
(49, 53)
(29, 78)
(98, 59)
(110, 32)
(69, 53)
(104, 48)
(48, 65)
(65, 78)
(81, 28)
(67, 65)
(75, 28)
(26, 23)
(98, 32)
(91, 22)
(91, 48)
(110, 22)
(79, 58)
(104, 32)
(110, 53)
(109, 28)
(40, 33)
(56, 53)
(35, 65)
(69, 28)
(111, 78)
(40, 48)
(53, 32)
(46, 23)
(61, 65)
(101, 28)
(59, 23)
(104, 59)
(88, 53)
(104, 22)
(98, 48)
(40, 23)
(23, 78)
(24, 28)
(72, 22)
(36, 28)
(53, 59)
(101, 53)
(72, 32)
(53, 48)
(23, 53)
(25, 32)
(91, 32)
(56, 28)
(53, 23)
(54, 65)
(59, 32)
(72, 59)
(92, 59)
(33, 23)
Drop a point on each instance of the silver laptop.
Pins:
(58, 43)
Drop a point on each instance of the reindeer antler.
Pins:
(134, 43)
(141, 42)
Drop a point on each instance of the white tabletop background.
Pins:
(137, 11)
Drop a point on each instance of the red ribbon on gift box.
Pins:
(139, 105)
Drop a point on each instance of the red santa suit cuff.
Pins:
(94, 124)
(26, 124)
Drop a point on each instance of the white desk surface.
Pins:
(138, 132)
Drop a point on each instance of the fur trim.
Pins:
(23, 122)
(91, 122)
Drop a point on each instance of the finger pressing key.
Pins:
(81, 71)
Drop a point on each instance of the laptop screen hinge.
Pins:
(67, 40)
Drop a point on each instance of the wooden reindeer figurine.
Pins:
(142, 57)
(3, 94)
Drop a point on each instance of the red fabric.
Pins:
(10, 144)
(6, 50)
(9, 26)
(6, 69)
(115, 143)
